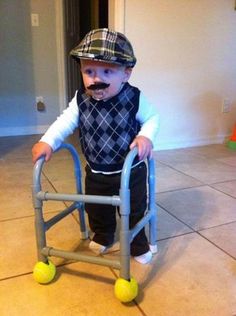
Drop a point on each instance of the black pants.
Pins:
(102, 218)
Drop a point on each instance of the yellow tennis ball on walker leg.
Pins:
(44, 272)
(125, 290)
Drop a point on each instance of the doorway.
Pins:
(80, 16)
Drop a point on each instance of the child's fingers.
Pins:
(144, 152)
(144, 146)
(133, 144)
(41, 149)
(137, 144)
(48, 155)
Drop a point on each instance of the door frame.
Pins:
(116, 21)
(60, 45)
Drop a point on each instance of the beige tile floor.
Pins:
(194, 272)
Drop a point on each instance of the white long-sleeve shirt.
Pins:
(68, 121)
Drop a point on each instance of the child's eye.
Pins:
(107, 71)
(88, 71)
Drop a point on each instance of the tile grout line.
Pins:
(202, 229)
(194, 178)
(134, 300)
(139, 308)
(15, 276)
(65, 264)
(218, 190)
(27, 216)
(172, 237)
(180, 171)
(184, 188)
(210, 185)
(216, 246)
(198, 233)
(31, 272)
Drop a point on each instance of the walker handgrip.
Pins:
(38, 166)
(40, 162)
(125, 175)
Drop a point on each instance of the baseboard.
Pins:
(163, 144)
(23, 130)
(176, 144)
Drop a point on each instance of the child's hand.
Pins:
(41, 149)
(144, 147)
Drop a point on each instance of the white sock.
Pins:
(96, 248)
(114, 247)
(153, 249)
(144, 258)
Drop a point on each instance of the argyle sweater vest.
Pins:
(107, 128)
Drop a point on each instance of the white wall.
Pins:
(28, 61)
(45, 63)
(186, 65)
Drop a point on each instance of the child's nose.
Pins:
(97, 76)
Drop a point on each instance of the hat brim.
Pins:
(124, 63)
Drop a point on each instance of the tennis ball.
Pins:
(125, 290)
(43, 272)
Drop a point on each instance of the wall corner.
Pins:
(116, 15)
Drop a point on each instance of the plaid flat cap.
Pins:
(105, 45)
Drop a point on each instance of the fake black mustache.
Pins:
(98, 86)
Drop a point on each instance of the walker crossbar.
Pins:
(55, 219)
(111, 200)
(126, 234)
(47, 251)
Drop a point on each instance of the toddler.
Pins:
(112, 117)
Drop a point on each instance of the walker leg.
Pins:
(152, 207)
(126, 287)
(40, 234)
(83, 227)
(153, 232)
(124, 248)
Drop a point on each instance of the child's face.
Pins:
(94, 72)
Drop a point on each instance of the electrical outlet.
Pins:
(34, 19)
(41, 107)
(226, 106)
(39, 99)
(40, 104)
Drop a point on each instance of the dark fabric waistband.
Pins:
(133, 170)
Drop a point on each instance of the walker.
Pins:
(126, 287)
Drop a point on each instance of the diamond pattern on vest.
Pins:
(108, 128)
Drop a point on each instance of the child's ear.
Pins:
(127, 73)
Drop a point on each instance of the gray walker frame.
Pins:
(126, 235)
